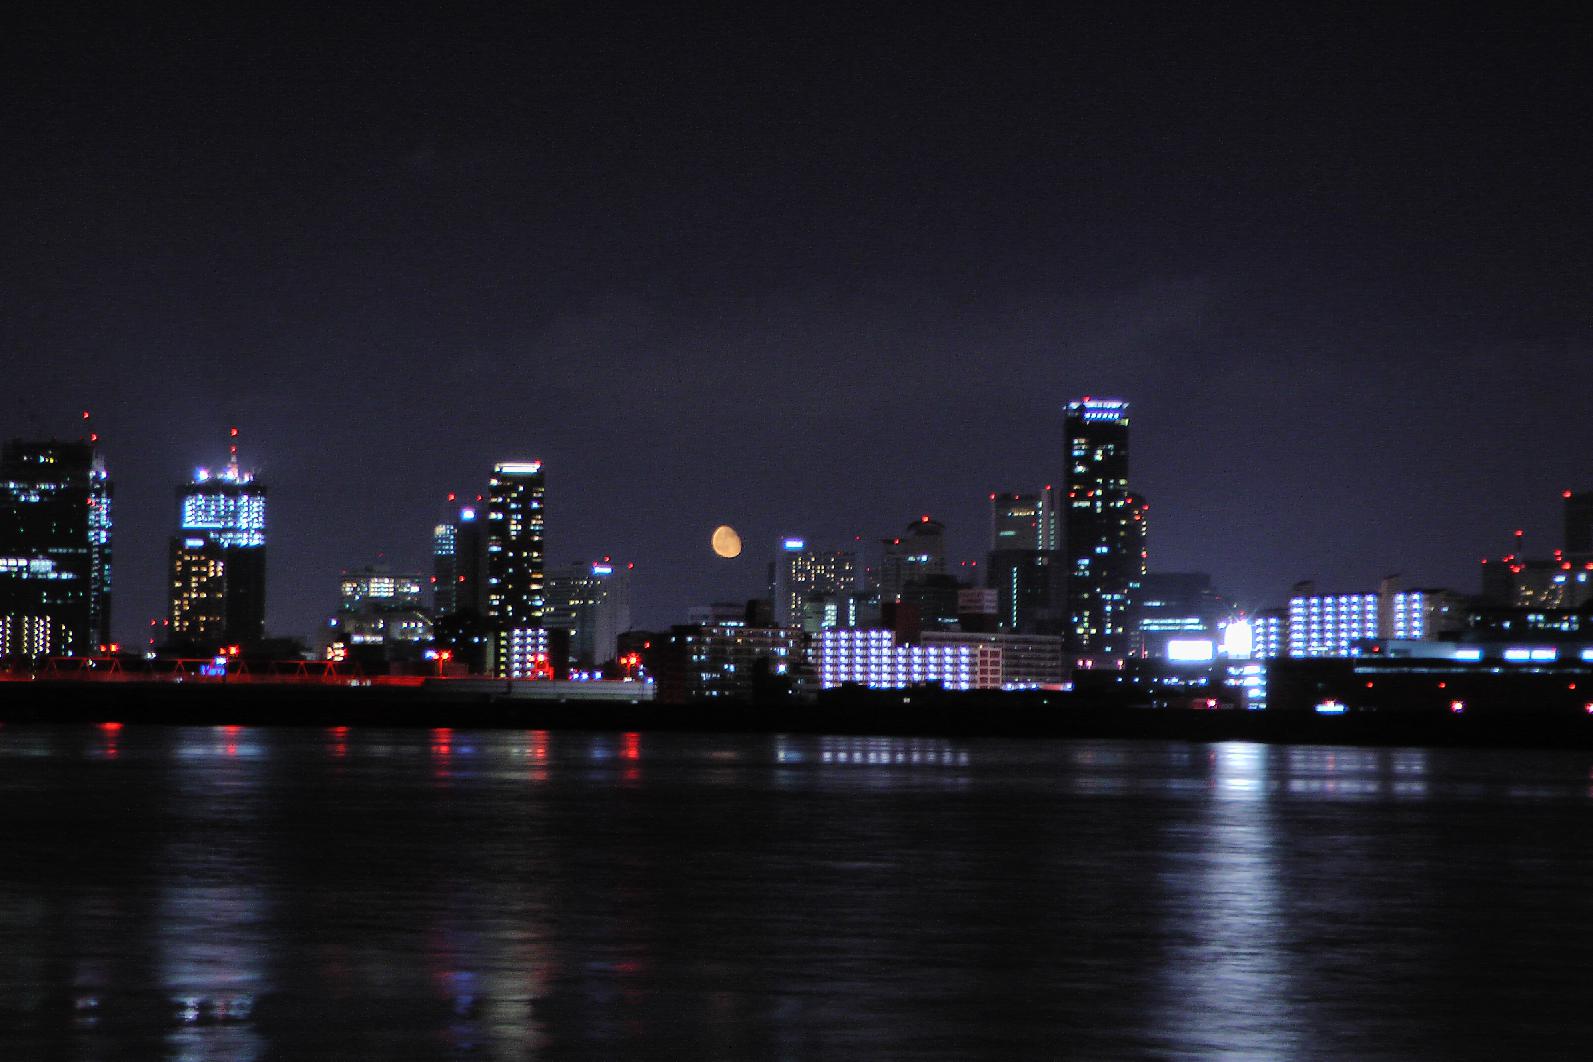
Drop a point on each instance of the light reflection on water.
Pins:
(238, 893)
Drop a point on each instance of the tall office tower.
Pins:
(515, 599)
(1015, 520)
(592, 602)
(809, 586)
(459, 560)
(916, 554)
(55, 550)
(1029, 586)
(220, 549)
(1578, 522)
(1023, 565)
(1104, 530)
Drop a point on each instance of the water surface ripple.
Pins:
(246, 893)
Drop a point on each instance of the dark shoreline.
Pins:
(919, 714)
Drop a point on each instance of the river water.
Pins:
(247, 893)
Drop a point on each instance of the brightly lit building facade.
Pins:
(1270, 633)
(1329, 624)
(525, 654)
(55, 550)
(515, 586)
(1105, 530)
(1419, 613)
(219, 551)
(873, 658)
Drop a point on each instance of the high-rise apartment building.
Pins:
(515, 592)
(1330, 624)
(218, 558)
(1105, 530)
(55, 550)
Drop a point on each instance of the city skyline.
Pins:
(750, 571)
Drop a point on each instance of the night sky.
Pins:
(813, 274)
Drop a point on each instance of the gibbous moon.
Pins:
(726, 542)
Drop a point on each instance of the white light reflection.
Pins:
(1230, 949)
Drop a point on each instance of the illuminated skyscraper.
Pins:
(55, 550)
(459, 559)
(220, 549)
(1104, 529)
(515, 597)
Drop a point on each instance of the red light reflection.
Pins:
(111, 731)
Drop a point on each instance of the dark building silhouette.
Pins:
(1024, 567)
(55, 550)
(1578, 522)
(917, 553)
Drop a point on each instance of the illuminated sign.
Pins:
(1191, 650)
